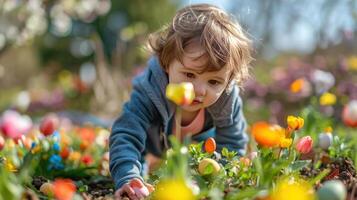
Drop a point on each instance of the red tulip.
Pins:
(304, 145)
(49, 124)
(65, 152)
(349, 114)
(87, 159)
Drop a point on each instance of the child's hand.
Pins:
(135, 190)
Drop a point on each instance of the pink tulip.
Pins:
(14, 125)
(304, 145)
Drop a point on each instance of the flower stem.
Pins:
(178, 115)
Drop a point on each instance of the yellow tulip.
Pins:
(36, 149)
(327, 99)
(10, 166)
(295, 123)
(181, 94)
(173, 189)
(74, 156)
(285, 142)
(292, 190)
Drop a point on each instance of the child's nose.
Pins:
(200, 90)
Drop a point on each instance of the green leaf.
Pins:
(320, 176)
(225, 152)
(299, 164)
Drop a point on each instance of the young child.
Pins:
(203, 46)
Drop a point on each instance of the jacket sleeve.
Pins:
(128, 137)
(231, 132)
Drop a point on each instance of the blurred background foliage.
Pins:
(80, 55)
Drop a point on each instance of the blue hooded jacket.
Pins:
(146, 119)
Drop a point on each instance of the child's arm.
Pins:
(232, 134)
(128, 137)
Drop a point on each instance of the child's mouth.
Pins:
(194, 102)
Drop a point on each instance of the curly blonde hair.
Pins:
(223, 40)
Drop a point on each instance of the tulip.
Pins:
(14, 125)
(285, 142)
(295, 123)
(181, 94)
(304, 145)
(10, 166)
(87, 134)
(327, 99)
(87, 159)
(265, 134)
(349, 114)
(35, 148)
(74, 156)
(173, 189)
(49, 124)
(64, 189)
(64, 153)
(292, 190)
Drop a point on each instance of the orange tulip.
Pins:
(265, 134)
(64, 189)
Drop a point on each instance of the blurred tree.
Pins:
(82, 35)
(303, 25)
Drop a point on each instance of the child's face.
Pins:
(208, 86)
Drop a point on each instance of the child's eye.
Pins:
(214, 82)
(189, 75)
